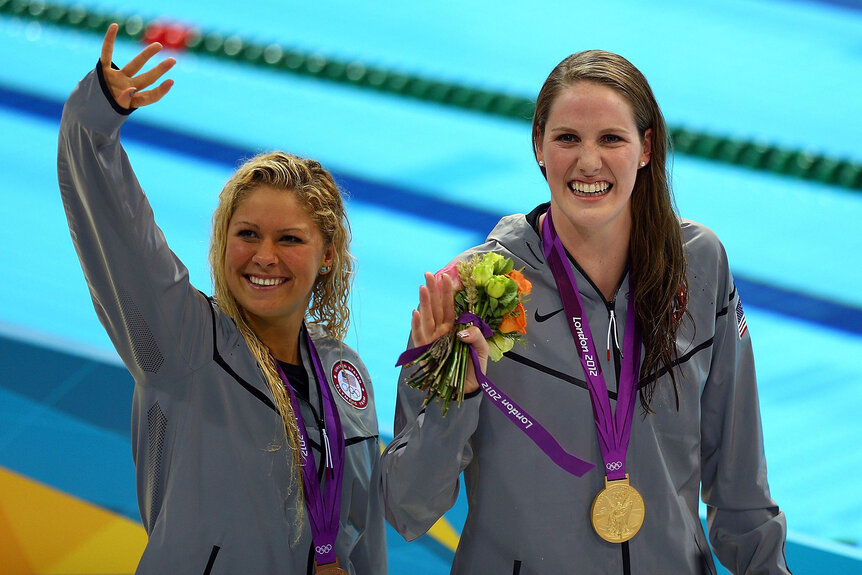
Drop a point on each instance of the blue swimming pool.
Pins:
(425, 181)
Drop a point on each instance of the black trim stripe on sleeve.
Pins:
(678, 361)
(211, 560)
(583, 384)
(103, 83)
(627, 560)
(540, 260)
(553, 372)
(310, 564)
(358, 439)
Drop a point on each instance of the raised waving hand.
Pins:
(436, 317)
(128, 87)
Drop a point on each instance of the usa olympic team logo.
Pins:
(348, 384)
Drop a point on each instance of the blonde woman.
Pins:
(253, 428)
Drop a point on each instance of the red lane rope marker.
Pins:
(171, 35)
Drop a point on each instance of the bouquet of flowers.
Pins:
(488, 287)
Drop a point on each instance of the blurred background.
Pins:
(421, 110)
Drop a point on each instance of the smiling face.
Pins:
(591, 150)
(273, 256)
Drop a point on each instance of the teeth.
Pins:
(264, 281)
(589, 189)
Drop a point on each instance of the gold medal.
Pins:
(329, 569)
(618, 511)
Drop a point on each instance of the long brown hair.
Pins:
(656, 253)
(317, 192)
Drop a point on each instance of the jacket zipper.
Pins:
(617, 351)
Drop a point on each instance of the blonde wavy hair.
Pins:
(316, 191)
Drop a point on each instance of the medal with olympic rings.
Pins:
(618, 510)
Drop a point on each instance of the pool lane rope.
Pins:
(799, 164)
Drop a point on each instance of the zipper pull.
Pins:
(612, 325)
(328, 451)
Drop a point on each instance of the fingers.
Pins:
(436, 313)
(447, 295)
(108, 46)
(127, 86)
(473, 336)
(423, 322)
(436, 301)
(133, 67)
(139, 99)
(149, 77)
(135, 64)
(442, 295)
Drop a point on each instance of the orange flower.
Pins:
(515, 320)
(524, 285)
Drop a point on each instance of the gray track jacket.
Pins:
(529, 517)
(213, 475)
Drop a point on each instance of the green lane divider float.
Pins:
(739, 152)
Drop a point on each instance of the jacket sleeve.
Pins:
(140, 290)
(422, 464)
(746, 528)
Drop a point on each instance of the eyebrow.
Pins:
(604, 131)
(278, 231)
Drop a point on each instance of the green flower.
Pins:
(495, 260)
(482, 272)
(498, 285)
(498, 345)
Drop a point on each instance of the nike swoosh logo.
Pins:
(540, 318)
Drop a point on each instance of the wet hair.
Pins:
(656, 252)
(317, 192)
(315, 189)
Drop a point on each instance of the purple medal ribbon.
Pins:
(324, 508)
(523, 420)
(415, 353)
(613, 429)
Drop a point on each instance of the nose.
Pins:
(590, 160)
(265, 255)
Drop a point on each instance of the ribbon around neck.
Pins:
(613, 429)
(323, 505)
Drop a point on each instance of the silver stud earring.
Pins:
(643, 164)
(541, 164)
